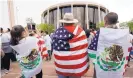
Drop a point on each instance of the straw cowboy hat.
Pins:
(68, 18)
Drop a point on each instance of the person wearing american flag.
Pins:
(109, 49)
(70, 49)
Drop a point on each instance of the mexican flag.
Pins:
(109, 51)
(30, 51)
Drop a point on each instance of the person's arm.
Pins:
(2, 53)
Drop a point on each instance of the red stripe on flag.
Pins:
(73, 74)
(73, 57)
(70, 28)
(79, 30)
(44, 49)
(79, 47)
(40, 42)
(71, 66)
(77, 39)
(43, 56)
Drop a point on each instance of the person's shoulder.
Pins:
(131, 36)
(31, 38)
(4, 34)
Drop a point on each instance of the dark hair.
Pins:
(111, 18)
(1, 30)
(131, 32)
(41, 31)
(31, 34)
(16, 34)
(8, 29)
(87, 33)
(34, 32)
(93, 29)
(46, 32)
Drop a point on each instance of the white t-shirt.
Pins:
(5, 38)
(48, 42)
(131, 36)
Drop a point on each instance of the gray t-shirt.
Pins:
(5, 43)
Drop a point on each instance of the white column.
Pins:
(47, 16)
(99, 17)
(11, 13)
(58, 16)
(72, 8)
(87, 19)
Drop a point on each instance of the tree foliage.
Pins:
(99, 25)
(46, 27)
(123, 25)
(127, 24)
(130, 25)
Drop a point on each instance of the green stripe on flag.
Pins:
(92, 55)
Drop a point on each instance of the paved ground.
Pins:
(49, 71)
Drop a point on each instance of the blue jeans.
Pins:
(61, 76)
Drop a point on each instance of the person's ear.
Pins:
(105, 23)
(24, 34)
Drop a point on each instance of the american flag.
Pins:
(94, 43)
(61, 38)
(70, 51)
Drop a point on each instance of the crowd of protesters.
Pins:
(7, 53)
(71, 46)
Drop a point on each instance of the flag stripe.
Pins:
(80, 42)
(79, 47)
(73, 74)
(40, 42)
(44, 49)
(72, 57)
(77, 39)
(73, 70)
(79, 30)
(71, 62)
(66, 53)
(71, 66)
(82, 33)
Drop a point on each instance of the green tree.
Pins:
(46, 27)
(130, 25)
(127, 24)
(99, 25)
(123, 24)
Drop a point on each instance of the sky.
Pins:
(34, 8)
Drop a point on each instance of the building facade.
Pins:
(88, 14)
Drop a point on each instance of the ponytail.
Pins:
(14, 41)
